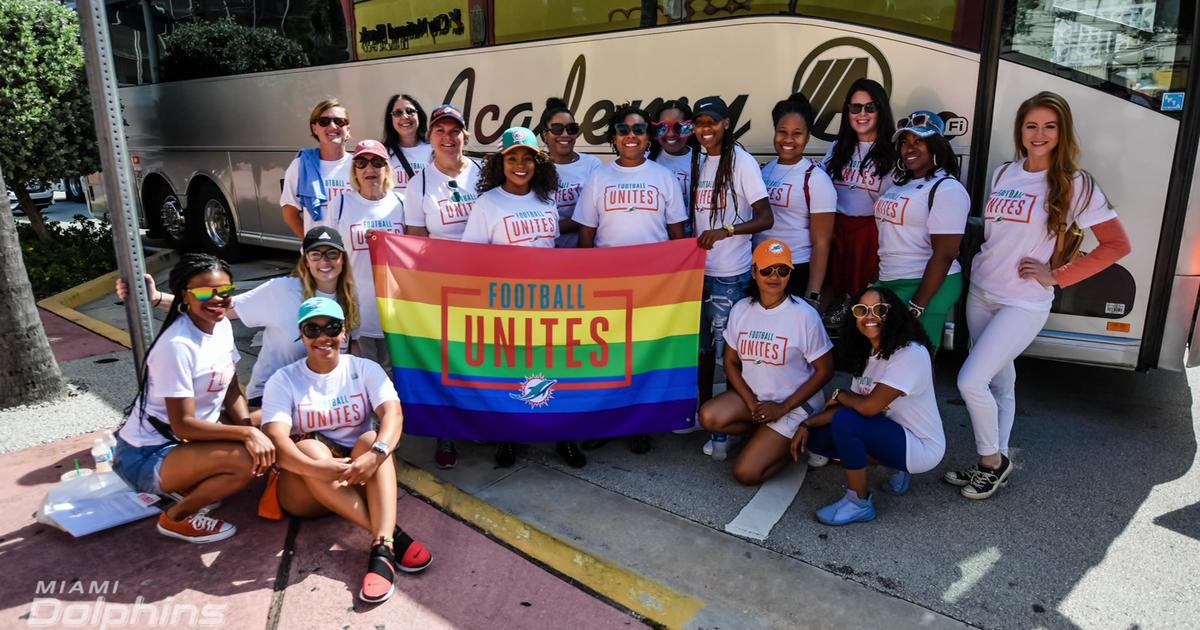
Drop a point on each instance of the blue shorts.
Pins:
(141, 466)
(720, 294)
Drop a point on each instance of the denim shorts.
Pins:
(720, 294)
(141, 466)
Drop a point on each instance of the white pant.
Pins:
(988, 378)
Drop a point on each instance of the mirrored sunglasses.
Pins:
(879, 310)
(205, 294)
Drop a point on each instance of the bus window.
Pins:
(1136, 49)
(389, 28)
(526, 20)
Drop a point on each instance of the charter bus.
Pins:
(210, 138)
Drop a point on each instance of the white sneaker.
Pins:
(708, 447)
(720, 450)
(692, 429)
(816, 460)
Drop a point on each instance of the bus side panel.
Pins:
(1130, 152)
(1179, 332)
(267, 170)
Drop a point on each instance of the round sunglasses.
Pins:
(681, 127)
(879, 309)
(782, 270)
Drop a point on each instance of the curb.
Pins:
(657, 603)
(63, 304)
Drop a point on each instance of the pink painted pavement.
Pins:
(70, 341)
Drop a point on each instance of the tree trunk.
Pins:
(36, 220)
(28, 371)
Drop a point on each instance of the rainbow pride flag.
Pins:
(494, 342)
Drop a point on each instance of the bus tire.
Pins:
(74, 189)
(212, 224)
(164, 214)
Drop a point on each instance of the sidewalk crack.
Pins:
(281, 575)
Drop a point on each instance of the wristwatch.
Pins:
(729, 228)
(834, 395)
(916, 310)
(382, 448)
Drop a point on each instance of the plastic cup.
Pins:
(75, 474)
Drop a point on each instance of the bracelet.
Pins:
(834, 395)
(916, 310)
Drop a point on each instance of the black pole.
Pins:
(985, 103)
(649, 13)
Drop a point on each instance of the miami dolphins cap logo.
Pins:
(775, 248)
(536, 391)
(519, 135)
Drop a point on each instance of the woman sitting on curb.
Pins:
(890, 414)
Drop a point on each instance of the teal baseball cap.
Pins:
(518, 137)
(320, 307)
(921, 123)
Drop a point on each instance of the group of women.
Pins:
(870, 236)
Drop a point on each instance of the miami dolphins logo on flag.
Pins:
(536, 391)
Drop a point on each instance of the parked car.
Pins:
(42, 194)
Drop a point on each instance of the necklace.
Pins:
(775, 167)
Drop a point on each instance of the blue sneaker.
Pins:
(848, 509)
(898, 482)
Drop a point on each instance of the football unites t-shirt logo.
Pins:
(891, 208)
(525, 226)
(567, 195)
(762, 346)
(402, 177)
(335, 187)
(854, 176)
(704, 196)
(358, 231)
(1009, 204)
(631, 197)
(779, 193)
(456, 211)
(221, 373)
(331, 413)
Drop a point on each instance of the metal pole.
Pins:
(117, 172)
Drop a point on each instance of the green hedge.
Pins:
(77, 252)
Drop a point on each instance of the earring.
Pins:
(900, 165)
(182, 308)
(936, 163)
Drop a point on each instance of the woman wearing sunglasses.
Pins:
(338, 463)
(317, 175)
(373, 205)
(631, 201)
(321, 271)
(729, 202)
(858, 163)
(673, 145)
(559, 131)
(404, 131)
(888, 415)
(803, 199)
(440, 197)
(921, 220)
(777, 359)
(1038, 206)
(174, 439)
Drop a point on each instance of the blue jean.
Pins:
(141, 466)
(853, 437)
(720, 294)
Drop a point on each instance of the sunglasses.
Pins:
(557, 129)
(637, 129)
(325, 121)
(455, 195)
(915, 120)
(375, 161)
(401, 113)
(681, 127)
(329, 254)
(313, 331)
(205, 294)
(782, 270)
(879, 310)
(857, 108)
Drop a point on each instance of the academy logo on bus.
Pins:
(827, 72)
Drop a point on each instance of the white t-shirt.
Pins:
(337, 405)
(431, 203)
(1015, 227)
(418, 158)
(502, 218)
(335, 174)
(857, 190)
(185, 362)
(355, 216)
(785, 189)
(777, 347)
(571, 180)
(907, 224)
(681, 167)
(273, 306)
(630, 205)
(730, 256)
(909, 370)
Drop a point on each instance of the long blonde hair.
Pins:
(1064, 165)
(345, 289)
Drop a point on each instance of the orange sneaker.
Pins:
(197, 528)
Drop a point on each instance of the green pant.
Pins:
(933, 320)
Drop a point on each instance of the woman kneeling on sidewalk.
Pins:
(173, 440)
(890, 416)
(339, 464)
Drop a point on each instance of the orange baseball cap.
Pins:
(771, 253)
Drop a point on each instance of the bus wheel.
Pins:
(165, 215)
(213, 223)
(74, 189)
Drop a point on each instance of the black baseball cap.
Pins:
(712, 106)
(323, 235)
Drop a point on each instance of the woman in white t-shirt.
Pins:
(802, 197)
(673, 145)
(338, 463)
(440, 198)
(777, 359)
(858, 163)
(890, 413)
(321, 271)
(404, 131)
(631, 201)
(559, 131)
(729, 204)
(174, 440)
(373, 206)
(921, 220)
(317, 175)
(1037, 204)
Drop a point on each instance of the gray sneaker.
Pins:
(961, 478)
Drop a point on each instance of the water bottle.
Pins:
(102, 455)
(111, 442)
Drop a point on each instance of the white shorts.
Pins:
(790, 422)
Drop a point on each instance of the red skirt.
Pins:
(854, 256)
